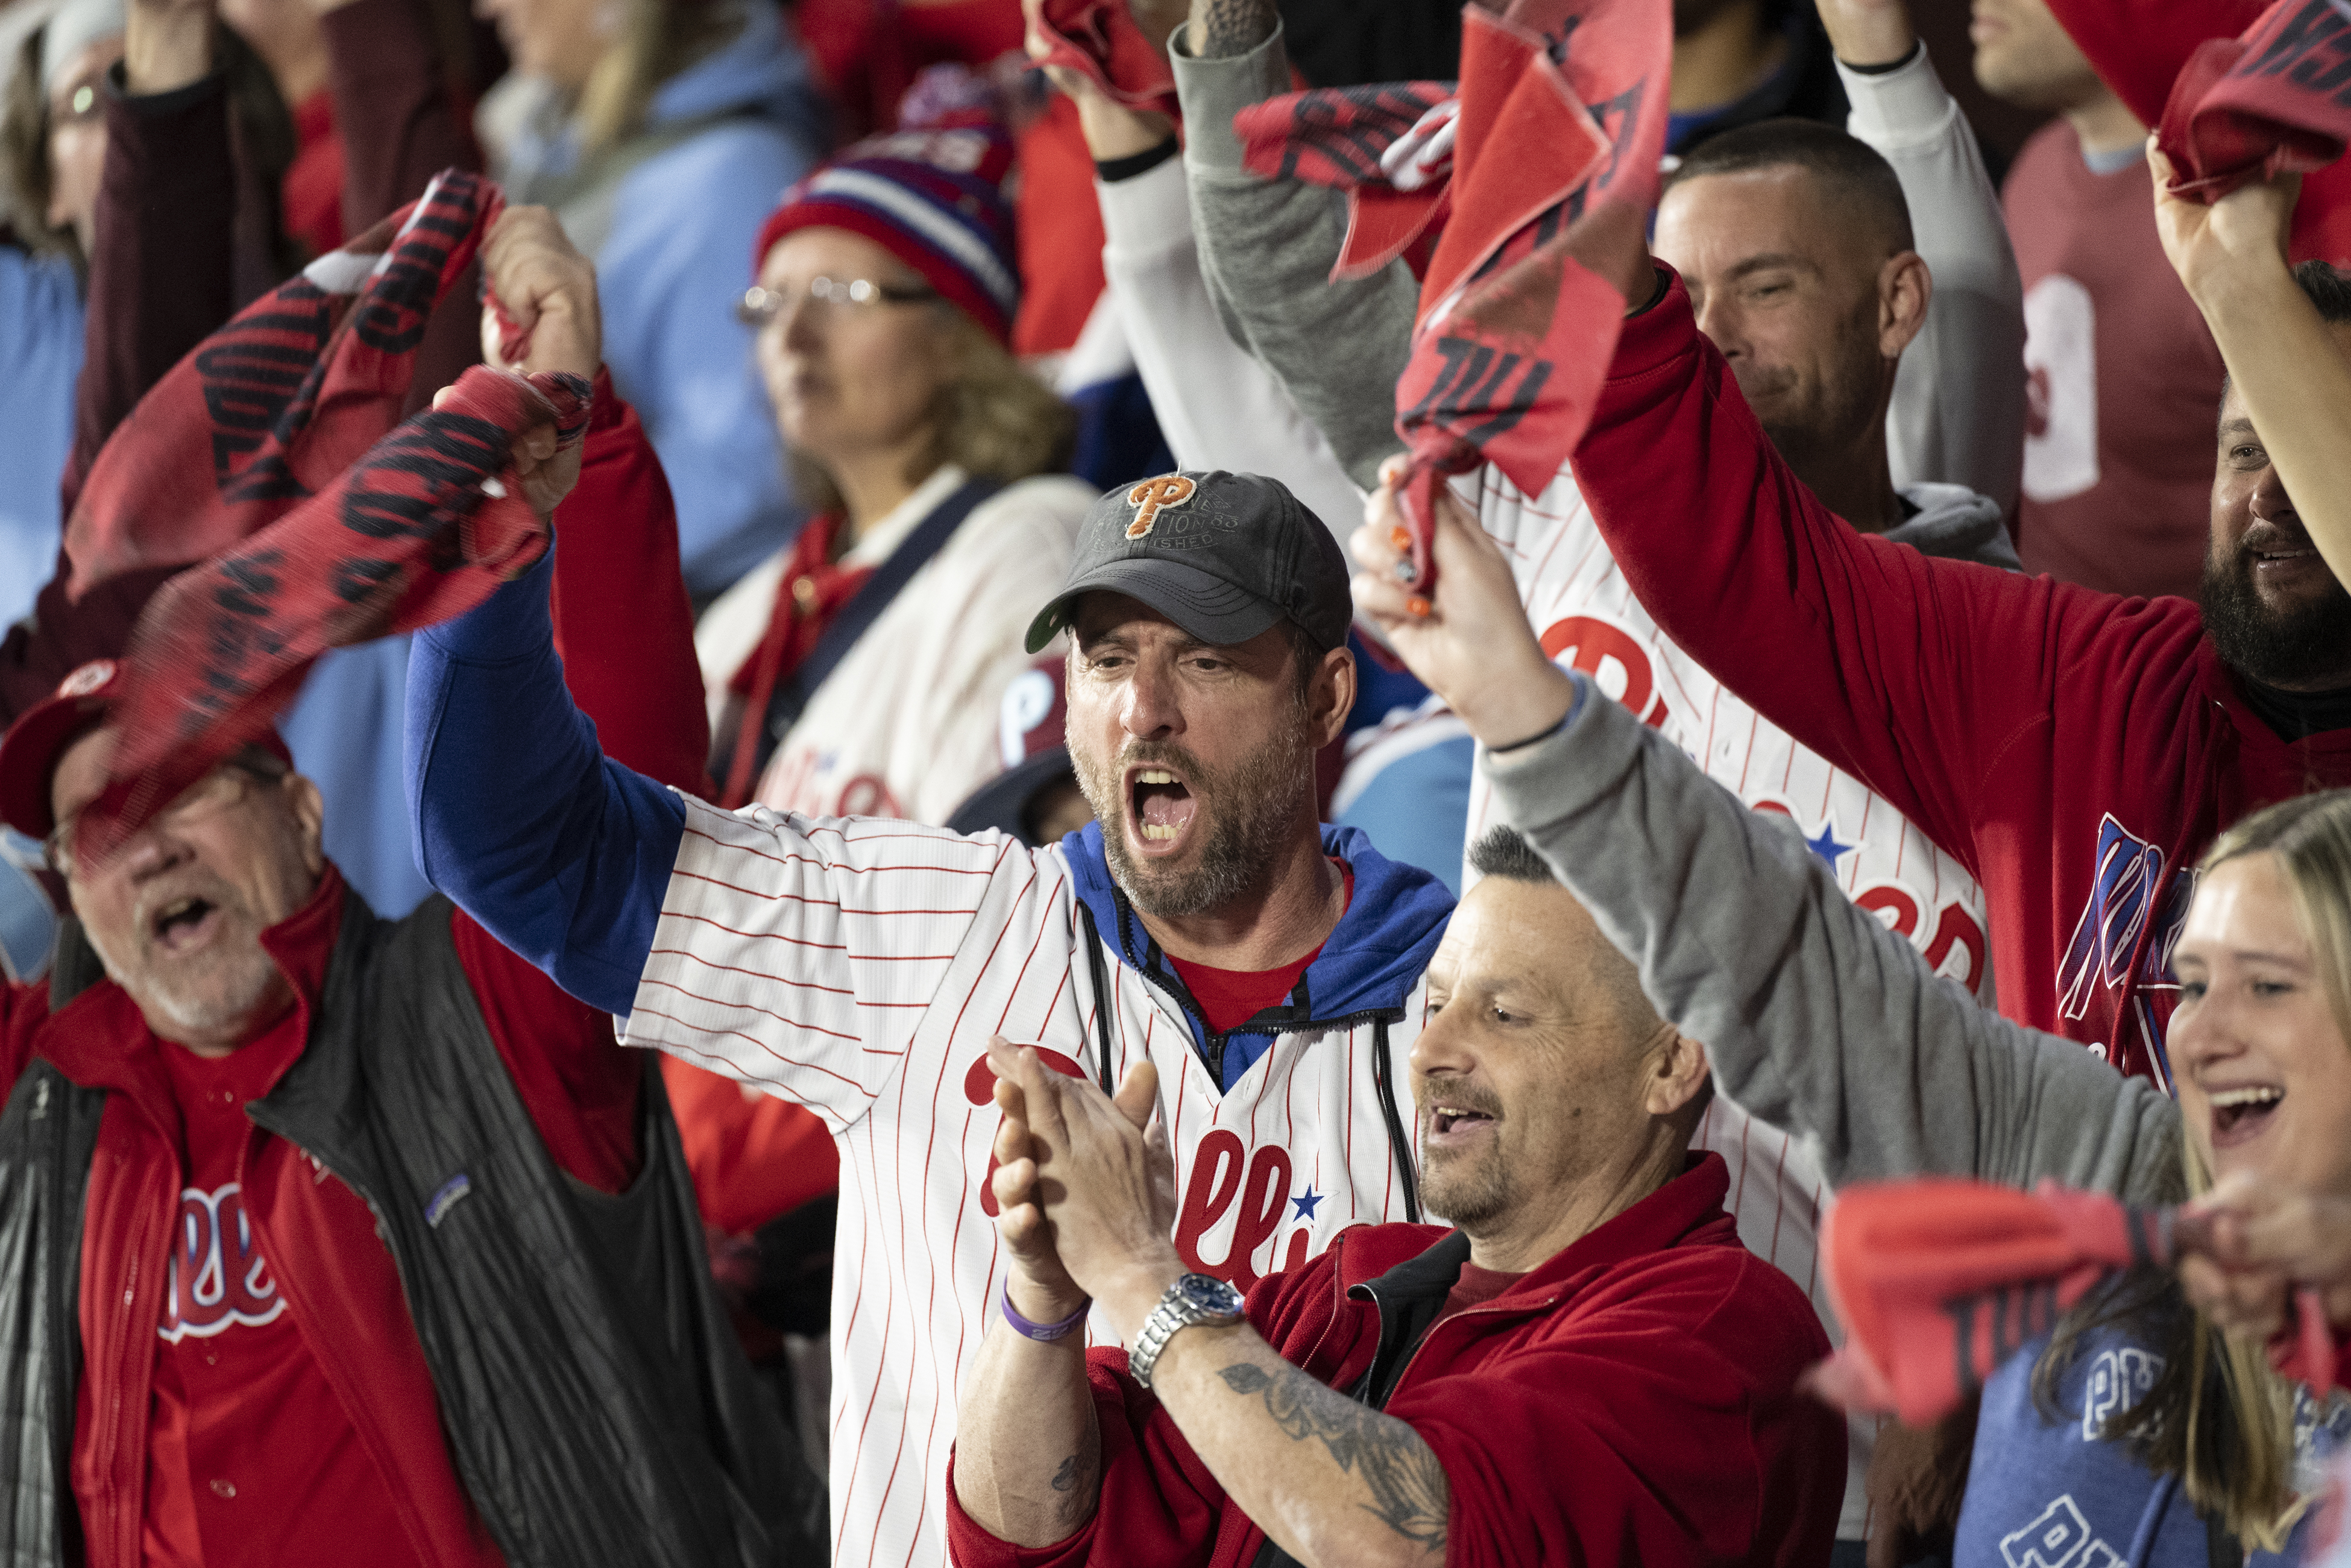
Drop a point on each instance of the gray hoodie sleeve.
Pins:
(1266, 250)
(1816, 1017)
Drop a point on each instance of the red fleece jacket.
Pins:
(2075, 750)
(1630, 1401)
(619, 545)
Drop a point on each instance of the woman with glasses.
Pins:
(860, 672)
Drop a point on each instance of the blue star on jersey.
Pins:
(1307, 1205)
(1827, 848)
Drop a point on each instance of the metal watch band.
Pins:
(1177, 1309)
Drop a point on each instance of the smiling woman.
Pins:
(2262, 1044)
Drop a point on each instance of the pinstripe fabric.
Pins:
(859, 967)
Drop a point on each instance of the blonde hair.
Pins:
(2310, 840)
(993, 418)
(658, 39)
(2218, 1417)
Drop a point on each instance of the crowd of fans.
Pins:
(1183, 1035)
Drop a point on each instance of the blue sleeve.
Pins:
(561, 854)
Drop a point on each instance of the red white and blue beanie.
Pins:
(933, 198)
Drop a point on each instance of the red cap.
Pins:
(29, 751)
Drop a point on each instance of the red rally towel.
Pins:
(1562, 113)
(269, 454)
(1937, 1281)
(2236, 92)
(1390, 147)
(1099, 38)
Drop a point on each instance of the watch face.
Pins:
(1207, 1294)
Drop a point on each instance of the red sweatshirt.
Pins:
(1630, 1401)
(2074, 749)
(355, 1367)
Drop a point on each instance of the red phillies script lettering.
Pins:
(216, 1276)
(979, 1088)
(1216, 1179)
(1585, 643)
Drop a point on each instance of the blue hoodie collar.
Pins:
(1369, 964)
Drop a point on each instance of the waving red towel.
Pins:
(270, 455)
(1563, 111)
(1100, 39)
(2237, 90)
(1937, 1281)
(1361, 139)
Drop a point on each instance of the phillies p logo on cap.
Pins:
(1152, 496)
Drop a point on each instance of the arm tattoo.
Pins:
(1224, 27)
(1074, 1484)
(1409, 1492)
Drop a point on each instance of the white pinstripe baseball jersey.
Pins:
(1587, 617)
(859, 967)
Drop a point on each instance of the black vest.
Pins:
(596, 1402)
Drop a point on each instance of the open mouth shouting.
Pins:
(2275, 553)
(1161, 809)
(184, 923)
(2241, 1113)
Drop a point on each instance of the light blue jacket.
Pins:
(672, 250)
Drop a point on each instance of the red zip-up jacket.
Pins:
(635, 674)
(1630, 1401)
(2076, 752)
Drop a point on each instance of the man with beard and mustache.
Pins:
(338, 1239)
(2074, 750)
(1269, 967)
(1495, 1392)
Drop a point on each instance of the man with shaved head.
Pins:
(1794, 241)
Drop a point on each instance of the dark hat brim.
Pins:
(1206, 606)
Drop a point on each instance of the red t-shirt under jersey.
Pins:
(1230, 997)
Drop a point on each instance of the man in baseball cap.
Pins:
(1205, 926)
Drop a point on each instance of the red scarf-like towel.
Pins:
(270, 455)
(1340, 136)
(1937, 1281)
(1564, 106)
(1098, 39)
(2236, 91)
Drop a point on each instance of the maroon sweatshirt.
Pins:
(1632, 1400)
(2074, 750)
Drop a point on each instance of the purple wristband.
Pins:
(1043, 1331)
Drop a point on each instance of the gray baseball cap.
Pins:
(1224, 555)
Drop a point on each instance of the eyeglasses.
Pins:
(223, 788)
(758, 307)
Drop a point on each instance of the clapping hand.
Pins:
(1085, 1189)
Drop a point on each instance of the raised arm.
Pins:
(561, 853)
(1958, 399)
(1817, 1018)
(1266, 245)
(1218, 407)
(2286, 363)
(1911, 674)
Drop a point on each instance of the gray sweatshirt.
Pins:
(1816, 1017)
(1338, 348)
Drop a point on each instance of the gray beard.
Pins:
(221, 992)
(1248, 810)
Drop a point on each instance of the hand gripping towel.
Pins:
(271, 456)
(1098, 39)
(1937, 1281)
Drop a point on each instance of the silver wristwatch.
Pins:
(1192, 1298)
